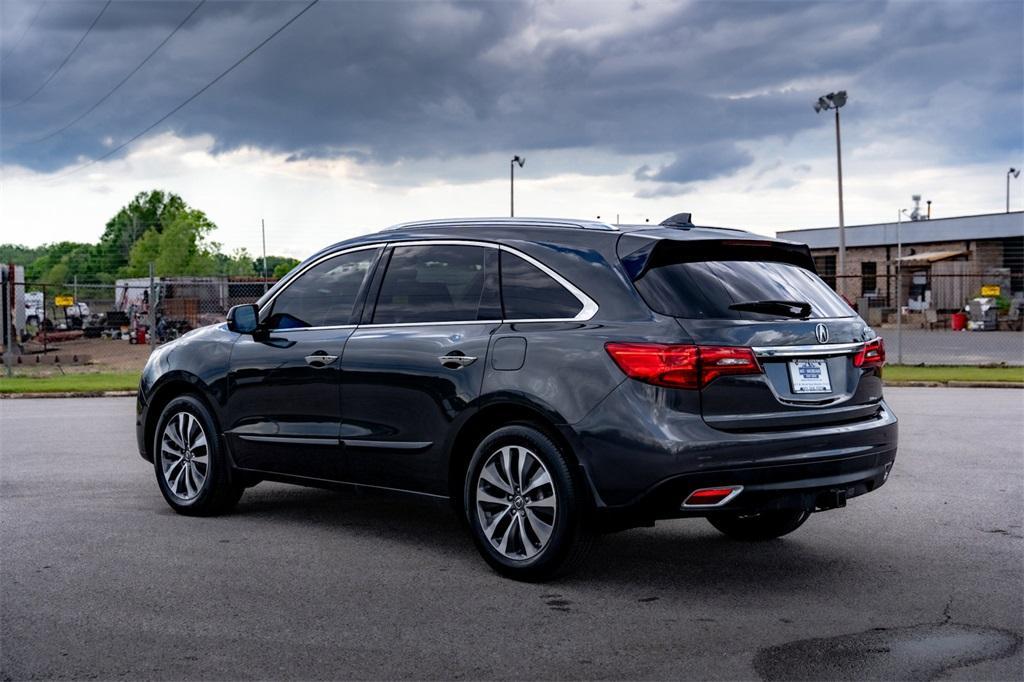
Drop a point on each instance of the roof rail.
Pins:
(519, 222)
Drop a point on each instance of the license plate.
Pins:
(809, 376)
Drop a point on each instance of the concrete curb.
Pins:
(956, 384)
(69, 394)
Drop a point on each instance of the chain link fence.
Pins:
(69, 327)
(958, 319)
(963, 318)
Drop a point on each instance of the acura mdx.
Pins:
(553, 379)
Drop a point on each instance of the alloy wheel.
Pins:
(516, 503)
(184, 456)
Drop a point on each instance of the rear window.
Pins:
(677, 283)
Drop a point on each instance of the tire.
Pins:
(553, 511)
(760, 526)
(185, 421)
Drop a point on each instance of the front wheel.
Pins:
(191, 466)
(759, 526)
(527, 512)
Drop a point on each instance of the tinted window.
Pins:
(529, 293)
(325, 294)
(437, 283)
(826, 267)
(707, 289)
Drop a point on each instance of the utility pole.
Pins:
(151, 332)
(263, 229)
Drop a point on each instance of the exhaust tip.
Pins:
(711, 497)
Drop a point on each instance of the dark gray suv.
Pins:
(552, 378)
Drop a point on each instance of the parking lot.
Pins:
(924, 578)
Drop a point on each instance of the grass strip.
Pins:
(91, 382)
(951, 373)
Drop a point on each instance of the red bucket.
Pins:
(958, 322)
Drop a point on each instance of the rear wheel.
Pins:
(761, 525)
(527, 513)
(191, 466)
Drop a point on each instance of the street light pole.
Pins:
(521, 160)
(842, 222)
(899, 282)
(835, 100)
(1015, 172)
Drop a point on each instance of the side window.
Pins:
(529, 293)
(324, 295)
(438, 283)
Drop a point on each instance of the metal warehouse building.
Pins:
(942, 261)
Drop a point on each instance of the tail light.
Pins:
(871, 355)
(681, 366)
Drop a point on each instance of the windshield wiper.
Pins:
(799, 309)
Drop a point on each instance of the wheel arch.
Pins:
(494, 415)
(170, 387)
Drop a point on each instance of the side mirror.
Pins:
(244, 319)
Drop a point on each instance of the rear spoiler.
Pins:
(653, 253)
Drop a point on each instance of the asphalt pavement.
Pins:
(99, 579)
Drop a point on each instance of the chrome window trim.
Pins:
(382, 325)
(308, 266)
(329, 327)
(589, 308)
(807, 351)
(586, 313)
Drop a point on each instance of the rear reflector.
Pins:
(678, 366)
(871, 355)
(712, 497)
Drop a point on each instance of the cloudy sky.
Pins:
(361, 114)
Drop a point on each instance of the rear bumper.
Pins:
(810, 486)
(643, 458)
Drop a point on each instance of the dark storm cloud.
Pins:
(699, 162)
(381, 82)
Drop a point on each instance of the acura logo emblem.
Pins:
(821, 333)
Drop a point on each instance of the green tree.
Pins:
(153, 210)
(239, 263)
(180, 248)
(19, 254)
(42, 268)
(283, 267)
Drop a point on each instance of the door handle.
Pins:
(457, 360)
(320, 359)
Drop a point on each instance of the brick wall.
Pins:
(981, 256)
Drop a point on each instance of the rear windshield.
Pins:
(706, 289)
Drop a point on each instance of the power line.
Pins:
(24, 33)
(66, 59)
(124, 80)
(191, 97)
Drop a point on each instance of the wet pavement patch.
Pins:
(920, 652)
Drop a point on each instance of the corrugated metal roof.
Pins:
(989, 226)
